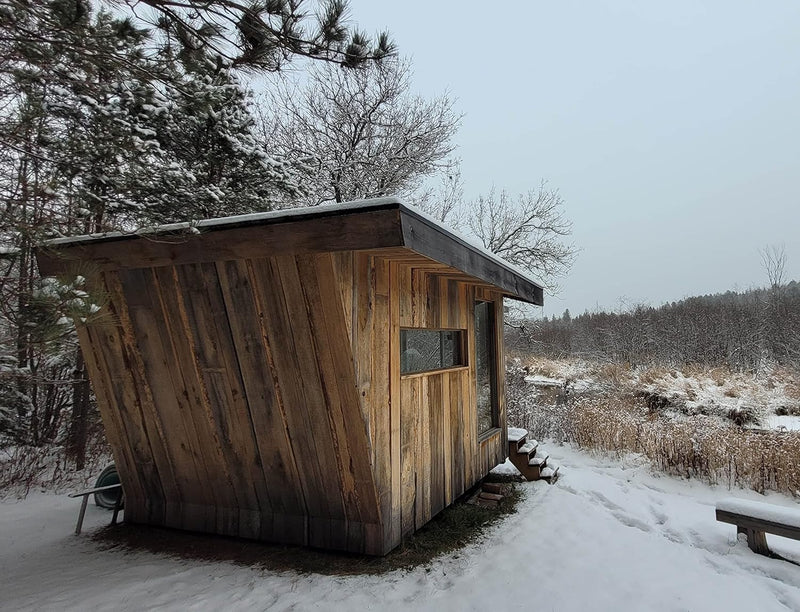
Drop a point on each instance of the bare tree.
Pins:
(360, 132)
(529, 230)
(773, 258)
(443, 201)
(779, 320)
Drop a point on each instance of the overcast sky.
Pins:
(672, 129)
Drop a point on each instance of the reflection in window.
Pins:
(485, 365)
(429, 349)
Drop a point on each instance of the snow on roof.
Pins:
(275, 216)
(237, 220)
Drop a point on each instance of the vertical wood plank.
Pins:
(193, 401)
(425, 461)
(371, 331)
(437, 444)
(405, 296)
(363, 329)
(343, 263)
(159, 365)
(91, 338)
(456, 433)
(394, 398)
(447, 441)
(418, 298)
(285, 328)
(216, 361)
(408, 447)
(433, 311)
(278, 468)
(454, 303)
(146, 443)
(335, 364)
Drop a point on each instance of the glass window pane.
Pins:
(451, 353)
(427, 349)
(484, 365)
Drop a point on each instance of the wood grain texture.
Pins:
(158, 357)
(262, 396)
(229, 420)
(329, 233)
(438, 416)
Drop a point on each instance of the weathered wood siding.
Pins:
(228, 393)
(426, 451)
(262, 397)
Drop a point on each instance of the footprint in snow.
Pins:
(674, 536)
(660, 517)
(630, 521)
(596, 495)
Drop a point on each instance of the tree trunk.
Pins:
(78, 429)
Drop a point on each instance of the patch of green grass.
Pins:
(449, 532)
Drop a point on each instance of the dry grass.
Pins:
(792, 389)
(718, 375)
(700, 447)
(696, 445)
(653, 374)
(614, 373)
(543, 366)
(26, 468)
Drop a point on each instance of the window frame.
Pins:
(462, 351)
(494, 380)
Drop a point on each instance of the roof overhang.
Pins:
(380, 223)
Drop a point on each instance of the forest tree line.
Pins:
(744, 331)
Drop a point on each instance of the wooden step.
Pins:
(517, 438)
(492, 496)
(549, 474)
(516, 434)
(493, 487)
(528, 448)
(539, 461)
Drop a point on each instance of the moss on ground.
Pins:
(456, 527)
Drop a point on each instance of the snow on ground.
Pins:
(544, 381)
(783, 423)
(609, 535)
(711, 391)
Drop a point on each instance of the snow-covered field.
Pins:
(609, 535)
(692, 390)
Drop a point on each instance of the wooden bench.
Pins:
(756, 519)
(87, 493)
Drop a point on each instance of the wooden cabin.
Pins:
(330, 377)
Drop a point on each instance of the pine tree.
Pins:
(210, 163)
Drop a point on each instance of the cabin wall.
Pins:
(262, 397)
(227, 393)
(425, 449)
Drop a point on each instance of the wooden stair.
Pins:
(528, 458)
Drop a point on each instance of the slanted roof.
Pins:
(380, 223)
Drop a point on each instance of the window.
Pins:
(485, 366)
(422, 350)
